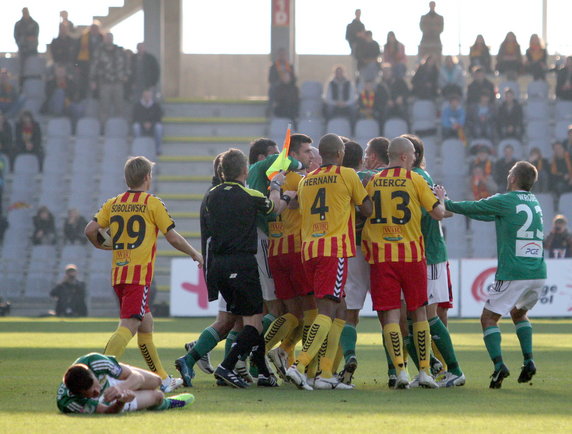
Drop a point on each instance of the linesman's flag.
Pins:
(282, 162)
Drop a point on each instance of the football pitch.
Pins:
(34, 353)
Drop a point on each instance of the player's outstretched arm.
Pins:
(178, 242)
(91, 231)
(366, 207)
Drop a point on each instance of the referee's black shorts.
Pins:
(236, 278)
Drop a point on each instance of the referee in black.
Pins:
(230, 216)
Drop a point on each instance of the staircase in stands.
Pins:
(195, 132)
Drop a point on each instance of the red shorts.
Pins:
(289, 276)
(133, 300)
(448, 304)
(388, 279)
(327, 276)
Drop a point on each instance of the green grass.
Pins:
(35, 352)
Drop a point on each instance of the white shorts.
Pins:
(437, 283)
(506, 295)
(129, 406)
(266, 281)
(357, 283)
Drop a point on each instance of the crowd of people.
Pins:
(45, 232)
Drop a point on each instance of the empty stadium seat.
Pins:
(546, 201)
(99, 285)
(311, 109)
(453, 157)
(565, 205)
(537, 90)
(510, 84)
(59, 127)
(561, 129)
(311, 127)
(483, 239)
(516, 145)
(394, 127)
(311, 90)
(75, 254)
(563, 110)
(455, 232)
(88, 127)
(34, 66)
(91, 108)
(544, 144)
(367, 129)
(538, 130)
(34, 88)
(26, 164)
(537, 110)
(424, 110)
(278, 127)
(39, 283)
(116, 128)
(57, 146)
(339, 126)
(144, 146)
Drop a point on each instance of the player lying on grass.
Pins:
(95, 383)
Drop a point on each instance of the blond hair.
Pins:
(136, 169)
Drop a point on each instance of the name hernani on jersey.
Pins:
(328, 179)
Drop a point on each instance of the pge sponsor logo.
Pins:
(529, 249)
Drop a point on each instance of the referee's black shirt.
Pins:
(230, 218)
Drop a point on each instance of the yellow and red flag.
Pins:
(282, 162)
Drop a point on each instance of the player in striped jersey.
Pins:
(135, 219)
(327, 197)
(393, 245)
(285, 260)
(95, 383)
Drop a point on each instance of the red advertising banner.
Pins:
(281, 13)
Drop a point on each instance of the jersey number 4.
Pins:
(401, 206)
(135, 229)
(319, 205)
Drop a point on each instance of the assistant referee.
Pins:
(230, 216)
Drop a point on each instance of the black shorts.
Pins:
(236, 278)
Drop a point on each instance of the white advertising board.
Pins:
(477, 276)
(189, 291)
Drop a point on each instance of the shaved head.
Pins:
(401, 153)
(329, 146)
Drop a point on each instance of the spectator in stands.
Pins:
(509, 117)
(392, 93)
(10, 102)
(64, 20)
(88, 44)
(502, 167)
(63, 48)
(28, 137)
(481, 119)
(74, 225)
(425, 82)
(340, 96)
(478, 86)
(4, 165)
(62, 96)
(260, 149)
(353, 29)
(453, 118)
(44, 227)
(542, 167)
(108, 73)
(558, 243)
(451, 77)
(368, 103)
(480, 171)
(535, 60)
(6, 138)
(568, 142)
(129, 82)
(280, 65)
(564, 81)
(431, 25)
(509, 59)
(26, 35)
(480, 56)
(70, 294)
(145, 69)
(147, 116)
(367, 53)
(286, 98)
(560, 170)
(394, 54)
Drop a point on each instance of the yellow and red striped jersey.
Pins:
(393, 232)
(134, 219)
(327, 198)
(284, 233)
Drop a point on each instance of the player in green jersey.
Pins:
(521, 270)
(437, 282)
(95, 383)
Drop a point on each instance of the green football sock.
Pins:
(208, 339)
(524, 333)
(266, 321)
(390, 367)
(348, 341)
(408, 342)
(492, 338)
(164, 405)
(442, 339)
(230, 339)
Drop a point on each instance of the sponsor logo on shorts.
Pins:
(233, 276)
(482, 283)
(529, 249)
